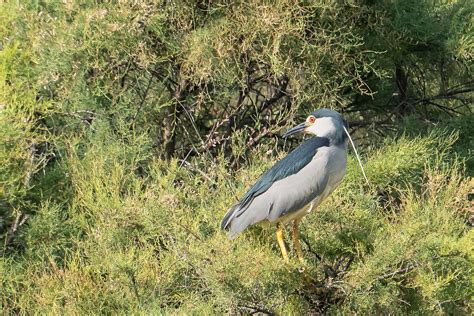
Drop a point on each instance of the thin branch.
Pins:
(398, 272)
(143, 98)
(190, 166)
(20, 219)
(309, 248)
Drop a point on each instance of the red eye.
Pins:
(311, 119)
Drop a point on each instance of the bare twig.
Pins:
(397, 272)
(309, 248)
(142, 101)
(20, 219)
(190, 166)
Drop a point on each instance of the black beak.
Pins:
(297, 129)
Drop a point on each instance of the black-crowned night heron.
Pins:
(298, 183)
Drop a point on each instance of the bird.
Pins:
(298, 183)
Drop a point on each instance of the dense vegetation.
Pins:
(127, 128)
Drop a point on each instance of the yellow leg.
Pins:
(281, 242)
(296, 240)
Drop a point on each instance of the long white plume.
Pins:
(357, 155)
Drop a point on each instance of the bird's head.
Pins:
(323, 123)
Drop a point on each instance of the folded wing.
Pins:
(271, 197)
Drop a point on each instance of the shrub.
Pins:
(128, 128)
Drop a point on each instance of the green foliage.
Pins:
(127, 128)
(130, 243)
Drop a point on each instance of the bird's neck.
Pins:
(337, 138)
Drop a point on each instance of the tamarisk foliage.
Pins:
(127, 128)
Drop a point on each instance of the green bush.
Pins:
(128, 128)
(129, 243)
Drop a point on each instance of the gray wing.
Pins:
(290, 165)
(287, 195)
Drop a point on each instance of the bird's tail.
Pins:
(235, 221)
(231, 212)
